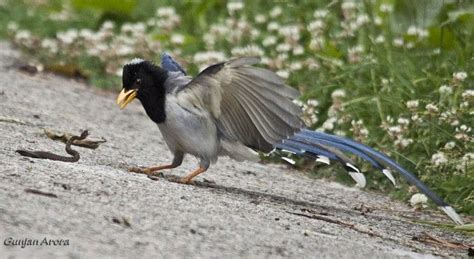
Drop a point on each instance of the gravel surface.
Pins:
(234, 210)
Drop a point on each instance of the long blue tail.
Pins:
(321, 146)
(324, 147)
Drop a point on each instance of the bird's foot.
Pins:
(141, 170)
(150, 170)
(185, 180)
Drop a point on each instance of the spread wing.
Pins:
(251, 105)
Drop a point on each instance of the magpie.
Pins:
(235, 109)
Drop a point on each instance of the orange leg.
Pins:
(150, 170)
(187, 179)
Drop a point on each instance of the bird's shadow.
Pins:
(261, 197)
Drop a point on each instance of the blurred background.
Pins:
(396, 75)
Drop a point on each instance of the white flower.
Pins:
(312, 102)
(276, 11)
(416, 118)
(298, 102)
(273, 26)
(403, 121)
(460, 76)
(395, 130)
(249, 50)
(296, 66)
(389, 119)
(468, 95)
(316, 25)
(260, 18)
(283, 47)
(68, 36)
(444, 89)
(380, 39)
(107, 25)
(290, 32)
(22, 35)
(87, 34)
(50, 45)
(165, 11)
(283, 74)
(312, 64)
(316, 43)
(432, 108)
(418, 199)
(404, 142)
(422, 33)
(398, 42)
(124, 50)
(348, 5)
(269, 41)
(354, 54)
(468, 157)
(232, 7)
(12, 26)
(415, 31)
(177, 39)
(413, 104)
(298, 50)
(386, 8)
(338, 94)
(412, 30)
(378, 20)
(329, 123)
(281, 57)
(464, 128)
(362, 19)
(208, 57)
(439, 159)
(450, 145)
(320, 13)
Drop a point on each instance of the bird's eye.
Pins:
(138, 81)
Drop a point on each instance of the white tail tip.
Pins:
(289, 160)
(389, 175)
(323, 159)
(452, 214)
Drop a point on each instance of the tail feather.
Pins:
(342, 147)
(381, 157)
(322, 152)
(347, 148)
(377, 159)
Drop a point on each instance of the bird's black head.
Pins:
(145, 81)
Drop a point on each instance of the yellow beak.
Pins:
(125, 97)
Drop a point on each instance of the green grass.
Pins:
(378, 77)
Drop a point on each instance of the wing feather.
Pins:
(251, 105)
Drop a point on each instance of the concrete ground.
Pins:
(234, 210)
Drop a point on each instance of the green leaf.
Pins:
(118, 6)
(462, 15)
(466, 227)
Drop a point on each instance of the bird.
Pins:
(237, 109)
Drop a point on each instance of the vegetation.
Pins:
(395, 75)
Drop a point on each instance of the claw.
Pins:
(139, 170)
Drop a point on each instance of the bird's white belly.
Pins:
(189, 131)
